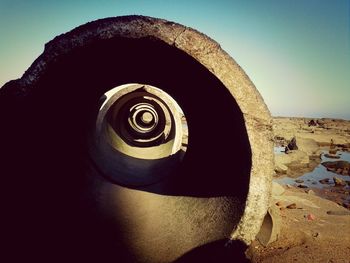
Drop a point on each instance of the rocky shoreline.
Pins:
(310, 193)
(307, 138)
(305, 141)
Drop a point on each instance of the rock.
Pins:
(302, 186)
(346, 205)
(331, 156)
(279, 140)
(279, 203)
(316, 234)
(341, 167)
(292, 206)
(324, 181)
(308, 146)
(299, 181)
(280, 168)
(338, 213)
(312, 123)
(310, 192)
(292, 145)
(310, 217)
(332, 151)
(294, 157)
(320, 123)
(277, 189)
(339, 181)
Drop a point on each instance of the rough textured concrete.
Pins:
(208, 53)
(271, 227)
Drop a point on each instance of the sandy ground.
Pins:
(313, 229)
(317, 230)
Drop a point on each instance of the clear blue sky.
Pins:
(296, 52)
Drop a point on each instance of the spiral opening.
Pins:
(141, 128)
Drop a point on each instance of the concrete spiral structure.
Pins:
(127, 199)
(138, 136)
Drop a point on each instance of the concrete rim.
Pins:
(207, 52)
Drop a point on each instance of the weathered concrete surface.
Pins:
(208, 53)
(158, 228)
(271, 227)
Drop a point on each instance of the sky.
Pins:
(296, 52)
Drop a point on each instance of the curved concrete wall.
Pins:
(184, 219)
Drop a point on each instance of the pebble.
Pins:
(316, 234)
(279, 203)
(324, 181)
(302, 186)
(338, 213)
(292, 206)
(299, 181)
(310, 217)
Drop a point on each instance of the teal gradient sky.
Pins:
(296, 52)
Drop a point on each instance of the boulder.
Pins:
(307, 145)
(296, 157)
(292, 145)
(320, 123)
(312, 123)
(280, 168)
